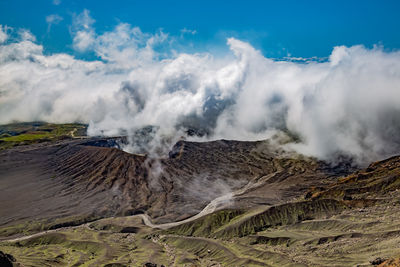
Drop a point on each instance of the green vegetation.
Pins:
(307, 233)
(227, 224)
(206, 225)
(16, 134)
(31, 227)
(83, 246)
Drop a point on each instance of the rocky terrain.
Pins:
(77, 200)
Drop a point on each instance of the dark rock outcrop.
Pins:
(6, 260)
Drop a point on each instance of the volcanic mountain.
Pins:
(83, 201)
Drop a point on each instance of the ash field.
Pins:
(72, 200)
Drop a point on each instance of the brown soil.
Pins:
(72, 181)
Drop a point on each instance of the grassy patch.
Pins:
(31, 227)
(16, 134)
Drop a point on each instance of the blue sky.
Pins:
(277, 28)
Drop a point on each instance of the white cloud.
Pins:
(56, 2)
(348, 105)
(83, 40)
(125, 46)
(53, 19)
(3, 34)
(83, 33)
(188, 31)
(83, 21)
(26, 35)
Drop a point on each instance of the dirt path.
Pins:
(46, 232)
(217, 203)
(72, 133)
(211, 207)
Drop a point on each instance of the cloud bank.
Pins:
(347, 105)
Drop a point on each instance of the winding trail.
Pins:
(210, 208)
(217, 203)
(21, 238)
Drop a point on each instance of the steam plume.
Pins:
(347, 105)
